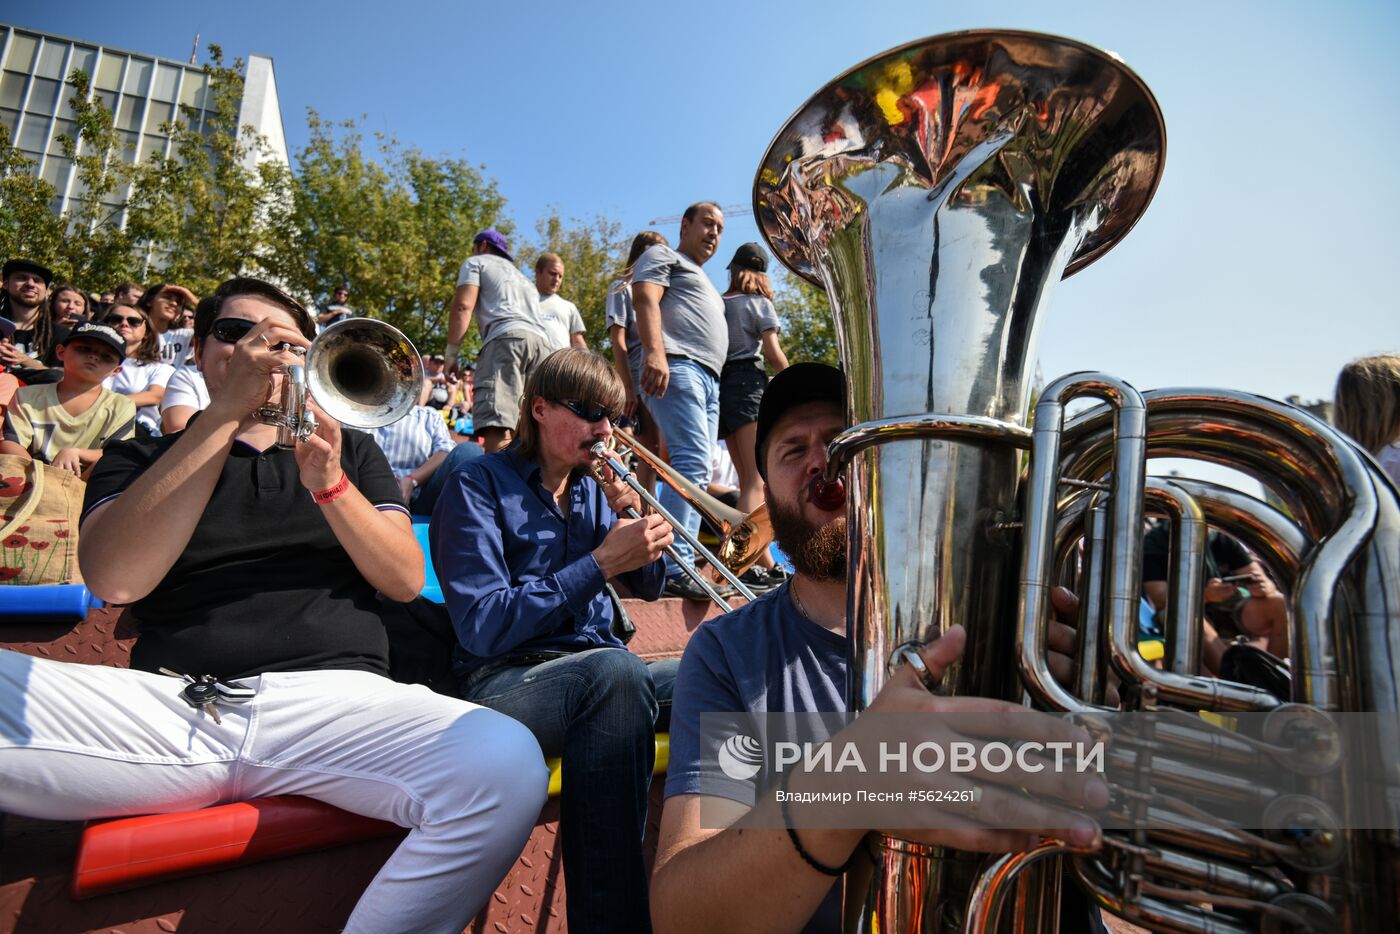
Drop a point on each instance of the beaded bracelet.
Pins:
(808, 858)
(332, 493)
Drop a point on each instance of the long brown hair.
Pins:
(580, 375)
(41, 334)
(640, 244)
(750, 282)
(66, 287)
(148, 351)
(1366, 402)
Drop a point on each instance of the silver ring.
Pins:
(915, 661)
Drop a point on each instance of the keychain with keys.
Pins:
(201, 693)
(204, 692)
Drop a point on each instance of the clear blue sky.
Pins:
(1266, 261)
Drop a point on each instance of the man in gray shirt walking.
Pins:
(685, 338)
(507, 311)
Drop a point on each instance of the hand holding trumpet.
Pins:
(254, 371)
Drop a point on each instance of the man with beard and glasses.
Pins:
(788, 652)
(524, 541)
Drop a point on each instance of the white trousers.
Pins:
(85, 741)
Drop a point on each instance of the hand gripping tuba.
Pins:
(939, 192)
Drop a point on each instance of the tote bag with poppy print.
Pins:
(39, 506)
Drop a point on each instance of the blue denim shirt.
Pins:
(518, 574)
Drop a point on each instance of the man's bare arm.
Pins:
(738, 878)
(656, 372)
(171, 495)
(459, 318)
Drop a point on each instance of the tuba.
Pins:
(939, 192)
(362, 372)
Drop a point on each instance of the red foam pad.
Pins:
(132, 851)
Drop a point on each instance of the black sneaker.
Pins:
(680, 585)
(762, 580)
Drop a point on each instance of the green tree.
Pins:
(27, 226)
(205, 210)
(392, 223)
(593, 252)
(94, 246)
(808, 332)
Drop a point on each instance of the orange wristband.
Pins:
(332, 493)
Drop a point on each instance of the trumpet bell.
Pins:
(364, 373)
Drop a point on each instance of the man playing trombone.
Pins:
(524, 541)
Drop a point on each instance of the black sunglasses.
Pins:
(115, 320)
(589, 411)
(232, 330)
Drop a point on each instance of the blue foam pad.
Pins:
(67, 601)
(431, 588)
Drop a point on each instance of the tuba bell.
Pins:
(939, 192)
(362, 372)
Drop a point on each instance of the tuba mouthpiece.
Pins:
(829, 495)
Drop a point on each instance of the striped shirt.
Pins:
(411, 440)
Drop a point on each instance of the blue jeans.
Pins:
(598, 710)
(427, 497)
(688, 416)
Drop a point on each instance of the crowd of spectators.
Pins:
(712, 348)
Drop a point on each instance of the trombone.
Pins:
(743, 538)
(605, 456)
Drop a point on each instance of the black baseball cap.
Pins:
(101, 333)
(750, 256)
(798, 384)
(27, 265)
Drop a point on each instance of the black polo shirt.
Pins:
(263, 585)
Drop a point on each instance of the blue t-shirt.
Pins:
(764, 657)
(767, 657)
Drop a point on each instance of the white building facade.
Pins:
(142, 91)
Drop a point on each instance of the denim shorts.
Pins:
(741, 386)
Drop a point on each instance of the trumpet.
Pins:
(603, 455)
(743, 538)
(362, 372)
